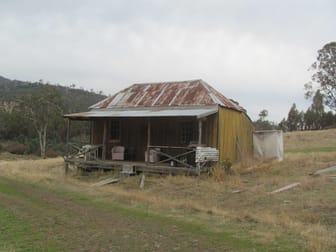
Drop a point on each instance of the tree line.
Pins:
(31, 116)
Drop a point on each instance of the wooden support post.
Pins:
(199, 131)
(198, 165)
(104, 141)
(198, 168)
(66, 168)
(91, 132)
(68, 137)
(148, 139)
(217, 131)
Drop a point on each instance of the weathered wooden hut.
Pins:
(180, 126)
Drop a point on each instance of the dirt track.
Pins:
(76, 223)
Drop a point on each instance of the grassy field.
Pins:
(41, 209)
(36, 218)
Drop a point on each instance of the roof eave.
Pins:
(198, 112)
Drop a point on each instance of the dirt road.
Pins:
(33, 217)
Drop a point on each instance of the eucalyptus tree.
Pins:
(324, 75)
(42, 107)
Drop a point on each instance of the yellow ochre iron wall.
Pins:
(235, 135)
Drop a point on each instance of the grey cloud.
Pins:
(251, 46)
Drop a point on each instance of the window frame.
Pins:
(115, 130)
(186, 132)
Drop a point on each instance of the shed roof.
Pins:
(167, 94)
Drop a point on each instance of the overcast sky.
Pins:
(255, 52)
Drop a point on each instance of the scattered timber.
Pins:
(142, 181)
(238, 191)
(285, 188)
(106, 182)
(325, 170)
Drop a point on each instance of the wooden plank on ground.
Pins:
(142, 181)
(285, 188)
(238, 191)
(325, 170)
(106, 181)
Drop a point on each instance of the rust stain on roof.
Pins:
(167, 94)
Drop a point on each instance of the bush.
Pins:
(227, 164)
(18, 148)
(53, 153)
(217, 173)
(34, 146)
(221, 170)
(60, 147)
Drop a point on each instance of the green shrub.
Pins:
(33, 145)
(227, 164)
(60, 147)
(220, 170)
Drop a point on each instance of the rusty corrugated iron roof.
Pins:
(167, 94)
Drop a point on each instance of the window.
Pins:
(115, 130)
(186, 132)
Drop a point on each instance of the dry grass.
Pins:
(34, 170)
(307, 212)
(310, 139)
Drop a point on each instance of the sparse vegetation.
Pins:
(236, 211)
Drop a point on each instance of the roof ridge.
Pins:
(167, 82)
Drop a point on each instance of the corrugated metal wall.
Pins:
(235, 135)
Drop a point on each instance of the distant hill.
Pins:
(75, 100)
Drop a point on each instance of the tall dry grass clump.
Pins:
(33, 170)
